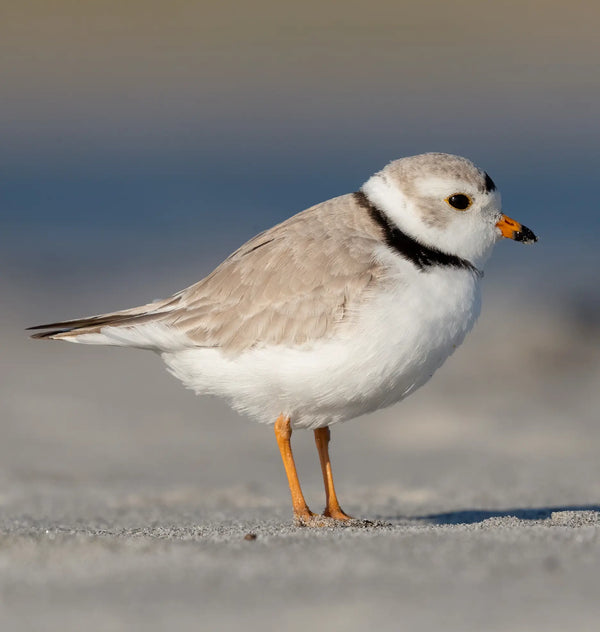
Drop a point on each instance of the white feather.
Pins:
(400, 339)
(154, 336)
(393, 344)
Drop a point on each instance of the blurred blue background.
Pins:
(149, 139)
(142, 142)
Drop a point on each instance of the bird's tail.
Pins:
(106, 328)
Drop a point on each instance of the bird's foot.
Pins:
(337, 514)
(320, 521)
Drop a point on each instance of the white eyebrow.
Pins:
(432, 186)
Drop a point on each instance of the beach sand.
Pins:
(128, 503)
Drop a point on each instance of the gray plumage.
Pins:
(292, 283)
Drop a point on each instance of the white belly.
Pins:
(398, 340)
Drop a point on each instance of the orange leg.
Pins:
(333, 509)
(283, 433)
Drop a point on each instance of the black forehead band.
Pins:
(489, 184)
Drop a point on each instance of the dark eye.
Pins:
(459, 201)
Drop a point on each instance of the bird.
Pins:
(344, 308)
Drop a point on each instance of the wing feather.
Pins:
(291, 284)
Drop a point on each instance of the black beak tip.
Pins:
(525, 235)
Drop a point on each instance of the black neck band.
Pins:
(421, 256)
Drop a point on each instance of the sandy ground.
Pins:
(125, 501)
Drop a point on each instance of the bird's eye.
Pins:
(459, 201)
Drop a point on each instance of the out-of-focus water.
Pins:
(142, 143)
(139, 134)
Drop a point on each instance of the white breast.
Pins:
(399, 339)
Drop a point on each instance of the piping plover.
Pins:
(344, 308)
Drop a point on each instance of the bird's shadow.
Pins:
(471, 516)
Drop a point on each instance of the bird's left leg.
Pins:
(332, 509)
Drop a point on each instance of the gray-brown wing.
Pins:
(291, 284)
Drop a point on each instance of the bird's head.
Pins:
(444, 202)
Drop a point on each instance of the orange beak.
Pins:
(513, 230)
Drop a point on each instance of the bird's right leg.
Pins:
(283, 433)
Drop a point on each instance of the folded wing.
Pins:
(291, 284)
